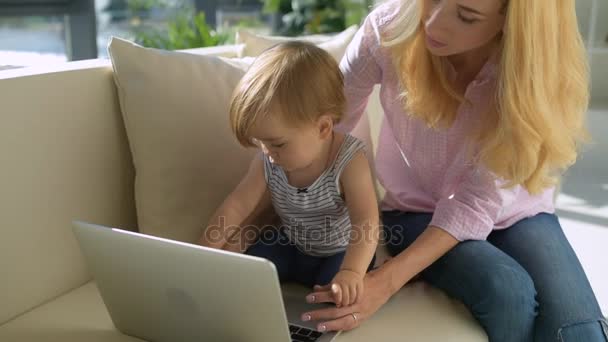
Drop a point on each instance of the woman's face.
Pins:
(457, 26)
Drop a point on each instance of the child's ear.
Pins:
(326, 126)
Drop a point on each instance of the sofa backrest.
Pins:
(64, 156)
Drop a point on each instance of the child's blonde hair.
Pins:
(296, 80)
(536, 123)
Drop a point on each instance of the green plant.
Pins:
(277, 6)
(317, 16)
(185, 31)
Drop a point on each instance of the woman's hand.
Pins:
(377, 292)
(381, 283)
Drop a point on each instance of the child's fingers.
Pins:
(346, 295)
(359, 292)
(353, 294)
(337, 293)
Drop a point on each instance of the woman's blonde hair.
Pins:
(296, 80)
(536, 121)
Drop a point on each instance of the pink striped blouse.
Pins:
(425, 169)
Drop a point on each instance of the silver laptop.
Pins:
(165, 291)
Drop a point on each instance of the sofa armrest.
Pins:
(64, 156)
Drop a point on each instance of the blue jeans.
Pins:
(294, 265)
(523, 283)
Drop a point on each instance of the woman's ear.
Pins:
(326, 126)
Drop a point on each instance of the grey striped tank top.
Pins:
(315, 219)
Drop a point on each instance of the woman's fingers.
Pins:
(346, 322)
(322, 287)
(324, 296)
(330, 313)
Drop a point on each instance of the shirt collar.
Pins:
(487, 73)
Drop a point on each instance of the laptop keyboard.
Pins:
(301, 334)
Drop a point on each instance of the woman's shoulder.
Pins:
(385, 13)
(378, 23)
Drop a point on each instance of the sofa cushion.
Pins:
(254, 44)
(175, 109)
(417, 312)
(78, 316)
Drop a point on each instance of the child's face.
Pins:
(292, 148)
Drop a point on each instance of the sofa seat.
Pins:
(417, 312)
(79, 315)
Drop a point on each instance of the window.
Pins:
(26, 41)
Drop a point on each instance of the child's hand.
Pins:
(347, 287)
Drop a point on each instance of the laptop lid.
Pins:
(163, 290)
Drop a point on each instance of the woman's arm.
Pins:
(361, 73)
(432, 244)
(468, 214)
(250, 195)
(472, 209)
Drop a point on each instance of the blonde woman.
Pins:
(484, 105)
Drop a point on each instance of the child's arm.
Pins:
(360, 198)
(250, 228)
(250, 195)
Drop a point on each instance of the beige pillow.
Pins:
(254, 45)
(175, 110)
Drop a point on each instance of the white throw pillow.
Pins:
(255, 44)
(175, 110)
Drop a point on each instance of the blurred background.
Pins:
(34, 32)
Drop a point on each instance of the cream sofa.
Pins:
(65, 156)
